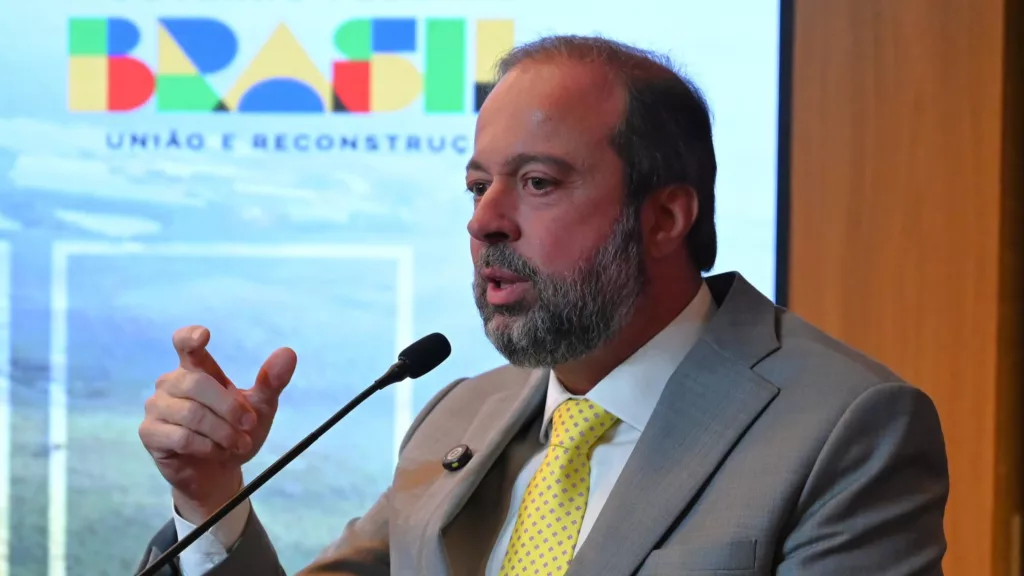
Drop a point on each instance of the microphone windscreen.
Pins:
(425, 354)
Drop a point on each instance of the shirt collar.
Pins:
(632, 389)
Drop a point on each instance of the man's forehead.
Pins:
(541, 117)
(555, 88)
(552, 101)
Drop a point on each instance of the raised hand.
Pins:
(200, 428)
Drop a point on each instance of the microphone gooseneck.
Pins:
(419, 358)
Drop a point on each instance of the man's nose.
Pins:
(493, 220)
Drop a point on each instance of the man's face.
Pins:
(557, 255)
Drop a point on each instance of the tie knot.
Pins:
(578, 423)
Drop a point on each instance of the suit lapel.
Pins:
(498, 420)
(709, 402)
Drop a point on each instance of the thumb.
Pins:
(272, 378)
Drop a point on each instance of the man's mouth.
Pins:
(503, 287)
(501, 277)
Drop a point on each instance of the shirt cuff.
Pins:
(212, 547)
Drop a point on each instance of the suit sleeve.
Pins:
(875, 499)
(362, 549)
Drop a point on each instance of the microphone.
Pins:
(419, 358)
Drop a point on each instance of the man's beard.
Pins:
(570, 315)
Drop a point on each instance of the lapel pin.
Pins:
(457, 458)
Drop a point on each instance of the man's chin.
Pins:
(513, 352)
(500, 322)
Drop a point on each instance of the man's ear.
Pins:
(667, 216)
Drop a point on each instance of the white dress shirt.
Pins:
(630, 392)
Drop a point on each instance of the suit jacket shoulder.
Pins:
(809, 350)
(442, 422)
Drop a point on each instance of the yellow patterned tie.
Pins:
(552, 509)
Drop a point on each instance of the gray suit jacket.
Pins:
(774, 449)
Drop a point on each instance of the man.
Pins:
(650, 421)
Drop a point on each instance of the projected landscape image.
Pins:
(286, 181)
(338, 312)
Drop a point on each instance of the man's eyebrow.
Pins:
(516, 162)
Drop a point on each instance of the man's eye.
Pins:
(539, 184)
(477, 188)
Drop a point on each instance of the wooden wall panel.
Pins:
(904, 243)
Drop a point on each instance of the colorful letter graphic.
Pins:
(376, 72)
(101, 75)
(493, 39)
(187, 50)
(374, 78)
(281, 78)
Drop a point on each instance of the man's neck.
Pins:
(651, 316)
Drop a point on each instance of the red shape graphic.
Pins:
(352, 86)
(130, 83)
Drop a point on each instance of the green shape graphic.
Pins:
(180, 93)
(87, 37)
(353, 39)
(444, 84)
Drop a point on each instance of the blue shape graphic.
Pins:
(393, 35)
(208, 43)
(281, 95)
(122, 36)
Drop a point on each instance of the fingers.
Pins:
(197, 419)
(190, 344)
(192, 414)
(196, 409)
(163, 439)
(202, 388)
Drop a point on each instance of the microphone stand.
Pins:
(397, 373)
